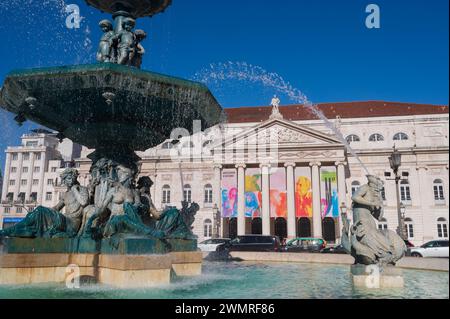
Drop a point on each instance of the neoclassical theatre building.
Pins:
(289, 174)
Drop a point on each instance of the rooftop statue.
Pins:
(363, 240)
(51, 222)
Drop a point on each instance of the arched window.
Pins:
(208, 194)
(167, 146)
(409, 225)
(405, 192)
(376, 138)
(355, 186)
(442, 227)
(438, 188)
(207, 228)
(166, 194)
(382, 224)
(401, 137)
(187, 193)
(353, 138)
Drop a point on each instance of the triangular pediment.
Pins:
(283, 133)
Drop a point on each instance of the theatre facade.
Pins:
(289, 174)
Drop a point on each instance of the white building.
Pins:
(289, 175)
(32, 173)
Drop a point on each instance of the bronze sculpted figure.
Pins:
(50, 223)
(105, 51)
(363, 240)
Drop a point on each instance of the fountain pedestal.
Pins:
(372, 277)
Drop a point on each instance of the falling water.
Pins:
(243, 71)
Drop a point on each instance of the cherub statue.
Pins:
(105, 51)
(364, 241)
(136, 59)
(127, 41)
(52, 223)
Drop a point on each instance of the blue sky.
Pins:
(321, 47)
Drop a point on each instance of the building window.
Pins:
(187, 193)
(15, 157)
(37, 169)
(353, 138)
(54, 169)
(35, 182)
(167, 146)
(26, 156)
(13, 169)
(438, 188)
(37, 156)
(401, 137)
(21, 197)
(166, 194)
(409, 225)
(376, 138)
(207, 228)
(33, 197)
(32, 143)
(50, 182)
(10, 197)
(382, 224)
(442, 228)
(383, 193)
(355, 186)
(19, 210)
(208, 194)
(48, 196)
(7, 210)
(24, 169)
(12, 182)
(405, 192)
(23, 182)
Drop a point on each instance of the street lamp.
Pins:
(395, 160)
(217, 221)
(403, 214)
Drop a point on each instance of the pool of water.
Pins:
(246, 280)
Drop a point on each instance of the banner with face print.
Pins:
(229, 193)
(303, 192)
(328, 192)
(253, 195)
(278, 194)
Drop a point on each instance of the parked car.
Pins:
(212, 244)
(339, 249)
(305, 245)
(435, 248)
(252, 243)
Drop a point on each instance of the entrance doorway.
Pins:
(281, 228)
(257, 226)
(329, 229)
(304, 227)
(232, 230)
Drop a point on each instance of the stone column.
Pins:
(290, 184)
(317, 214)
(6, 176)
(265, 181)
(30, 177)
(217, 193)
(19, 176)
(241, 199)
(342, 194)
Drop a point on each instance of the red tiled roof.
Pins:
(332, 110)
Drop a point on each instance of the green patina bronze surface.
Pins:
(140, 114)
(126, 246)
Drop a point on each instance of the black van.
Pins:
(253, 243)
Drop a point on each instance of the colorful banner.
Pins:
(229, 193)
(303, 192)
(253, 194)
(329, 193)
(278, 194)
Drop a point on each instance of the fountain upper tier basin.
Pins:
(137, 8)
(141, 113)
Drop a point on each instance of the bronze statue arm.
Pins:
(59, 206)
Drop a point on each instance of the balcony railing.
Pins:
(7, 202)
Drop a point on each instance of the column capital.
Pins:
(218, 166)
(241, 165)
(290, 164)
(339, 163)
(424, 167)
(265, 165)
(317, 164)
